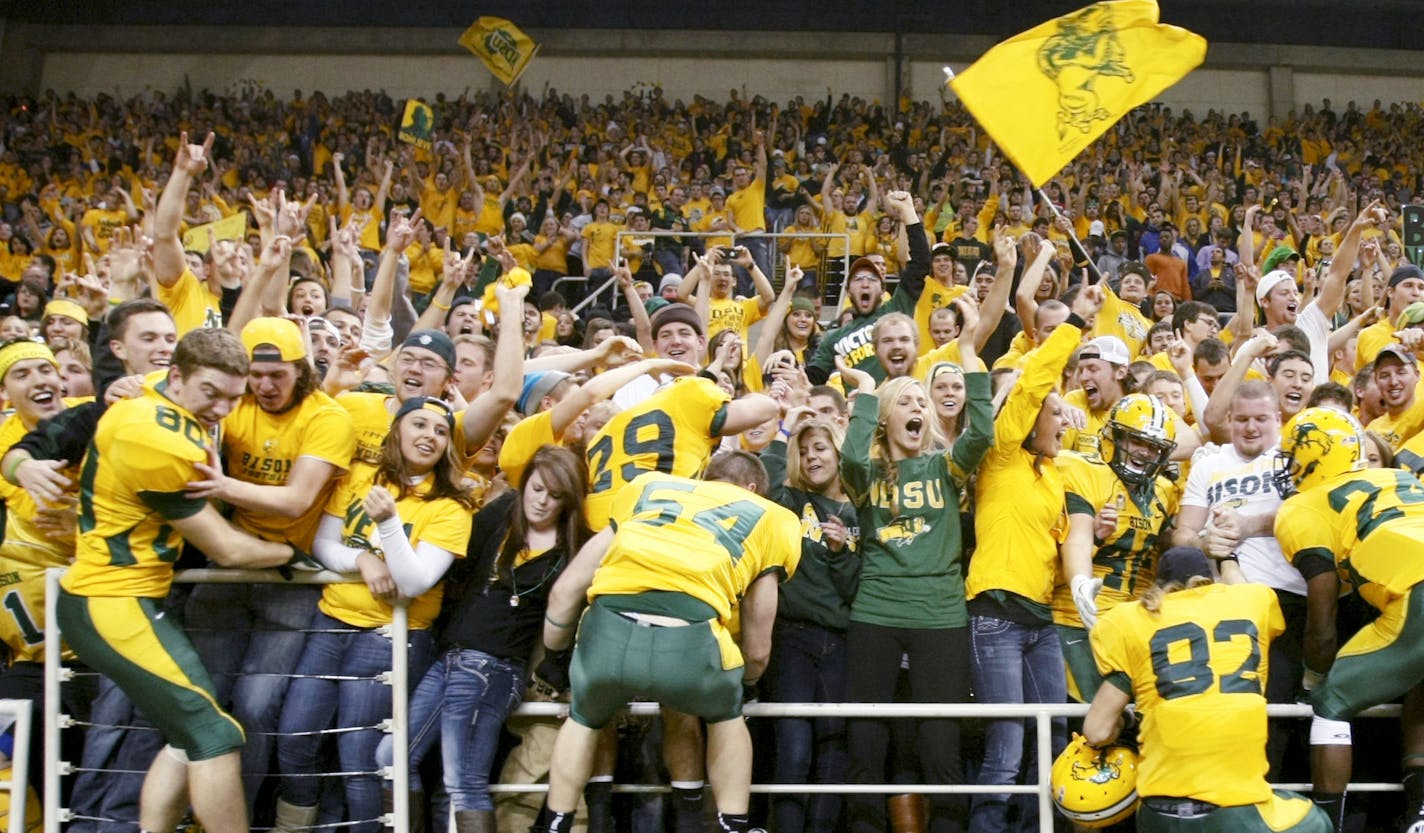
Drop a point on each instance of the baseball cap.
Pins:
(864, 264)
(676, 313)
(1097, 229)
(273, 340)
(941, 249)
(1401, 273)
(427, 403)
(1179, 565)
(1399, 351)
(1279, 255)
(1110, 349)
(1270, 281)
(537, 386)
(434, 341)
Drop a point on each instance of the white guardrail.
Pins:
(1040, 714)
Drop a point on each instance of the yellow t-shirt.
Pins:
(736, 314)
(935, 296)
(1019, 519)
(748, 206)
(442, 522)
(600, 245)
(192, 305)
(261, 448)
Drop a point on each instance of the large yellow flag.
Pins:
(501, 45)
(1046, 94)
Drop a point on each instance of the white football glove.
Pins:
(1085, 598)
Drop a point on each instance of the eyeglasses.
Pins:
(432, 365)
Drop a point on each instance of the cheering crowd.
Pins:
(260, 332)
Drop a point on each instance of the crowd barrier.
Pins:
(1040, 715)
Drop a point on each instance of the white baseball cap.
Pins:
(1270, 281)
(1110, 349)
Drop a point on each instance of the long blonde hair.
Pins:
(833, 432)
(886, 465)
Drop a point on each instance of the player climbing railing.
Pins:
(56, 674)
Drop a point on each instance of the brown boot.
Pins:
(415, 801)
(907, 813)
(474, 821)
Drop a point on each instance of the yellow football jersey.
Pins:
(706, 539)
(1369, 524)
(192, 305)
(674, 431)
(132, 483)
(261, 447)
(1197, 670)
(1127, 560)
(442, 522)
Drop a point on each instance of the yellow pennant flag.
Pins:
(1047, 93)
(501, 45)
(232, 227)
(417, 124)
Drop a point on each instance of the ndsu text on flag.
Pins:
(1046, 94)
(501, 45)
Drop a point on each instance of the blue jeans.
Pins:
(250, 637)
(808, 665)
(337, 649)
(1012, 663)
(462, 702)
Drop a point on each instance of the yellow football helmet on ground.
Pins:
(1095, 787)
(1138, 438)
(1316, 445)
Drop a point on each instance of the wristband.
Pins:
(435, 303)
(10, 474)
(557, 624)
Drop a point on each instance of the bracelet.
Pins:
(439, 306)
(10, 475)
(557, 624)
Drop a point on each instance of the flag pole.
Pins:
(1092, 267)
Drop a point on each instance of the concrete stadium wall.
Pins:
(1261, 80)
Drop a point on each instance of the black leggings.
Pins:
(939, 673)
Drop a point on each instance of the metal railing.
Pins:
(18, 784)
(1041, 715)
(592, 295)
(55, 674)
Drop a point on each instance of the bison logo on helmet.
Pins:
(1097, 772)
